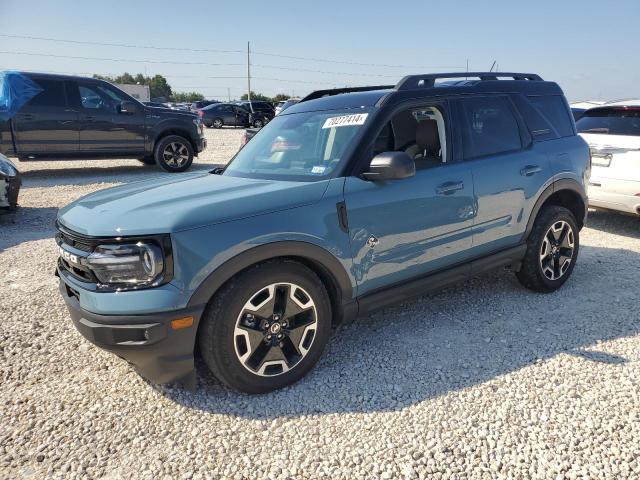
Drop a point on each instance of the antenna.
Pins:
(493, 65)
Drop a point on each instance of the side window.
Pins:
(489, 127)
(90, 98)
(52, 94)
(554, 110)
(418, 131)
(98, 97)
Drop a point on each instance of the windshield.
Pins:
(301, 146)
(610, 121)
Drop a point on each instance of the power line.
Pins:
(269, 54)
(120, 59)
(293, 69)
(78, 42)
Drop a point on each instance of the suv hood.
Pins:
(182, 202)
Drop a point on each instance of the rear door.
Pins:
(508, 173)
(103, 128)
(47, 124)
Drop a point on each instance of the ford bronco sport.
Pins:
(346, 202)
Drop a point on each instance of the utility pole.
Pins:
(249, 77)
(229, 93)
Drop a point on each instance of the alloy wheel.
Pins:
(557, 249)
(217, 123)
(175, 154)
(275, 329)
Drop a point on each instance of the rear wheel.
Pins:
(174, 153)
(258, 123)
(552, 250)
(267, 327)
(217, 123)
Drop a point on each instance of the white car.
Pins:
(285, 104)
(613, 133)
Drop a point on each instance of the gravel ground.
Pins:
(482, 380)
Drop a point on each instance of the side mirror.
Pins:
(390, 166)
(128, 108)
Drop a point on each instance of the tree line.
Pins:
(159, 88)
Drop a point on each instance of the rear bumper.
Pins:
(160, 354)
(9, 189)
(621, 202)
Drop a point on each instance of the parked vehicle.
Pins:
(284, 105)
(221, 115)
(613, 133)
(10, 182)
(77, 117)
(266, 108)
(249, 133)
(354, 199)
(197, 105)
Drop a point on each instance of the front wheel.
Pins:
(552, 250)
(267, 327)
(174, 153)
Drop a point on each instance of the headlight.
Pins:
(128, 265)
(7, 169)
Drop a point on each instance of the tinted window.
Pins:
(490, 127)
(51, 96)
(610, 121)
(554, 110)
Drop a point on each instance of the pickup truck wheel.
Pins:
(217, 123)
(174, 153)
(552, 250)
(267, 327)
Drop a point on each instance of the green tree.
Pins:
(187, 96)
(280, 97)
(256, 96)
(159, 87)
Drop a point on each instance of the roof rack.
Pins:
(411, 82)
(337, 91)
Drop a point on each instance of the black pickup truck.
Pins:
(78, 117)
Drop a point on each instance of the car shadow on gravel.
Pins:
(52, 177)
(26, 224)
(616, 223)
(460, 337)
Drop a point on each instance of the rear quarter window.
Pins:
(555, 111)
(52, 95)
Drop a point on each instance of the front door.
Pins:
(402, 229)
(103, 128)
(47, 125)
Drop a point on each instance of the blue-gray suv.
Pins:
(348, 201)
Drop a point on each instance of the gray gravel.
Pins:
(482, 380)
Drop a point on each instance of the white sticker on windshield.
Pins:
(345, 120)
(318, 170)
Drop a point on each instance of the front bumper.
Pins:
(160, 353)
(201, 144)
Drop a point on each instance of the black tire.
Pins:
(556, 271)
(217, 123)
(174, 153)
(148, 160)
(258, 123)
(219, 341)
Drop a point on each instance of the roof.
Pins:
(631, 102)
(426, 85)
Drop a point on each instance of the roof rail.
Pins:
(411, 82)
(337, 91)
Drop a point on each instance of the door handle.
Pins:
(530, 170)
(27, 116)
(90, 117)
(449, 187)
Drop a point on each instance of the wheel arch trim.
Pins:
(281, 249)
(558, 186)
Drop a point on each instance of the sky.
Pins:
(589, 47)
